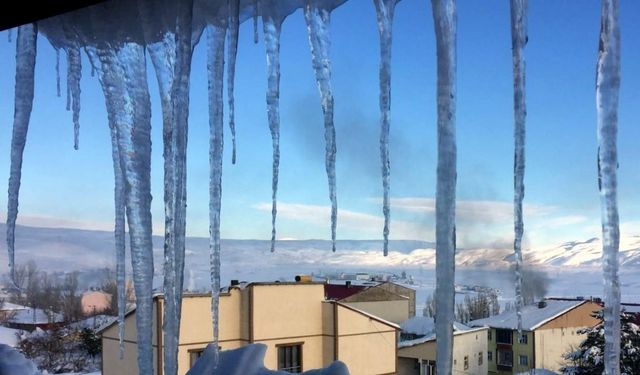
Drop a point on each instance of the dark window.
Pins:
(503, 336)
(290, 358)
(490, 334)
(194, 355)
(523, 339)
(490, 356)
(466, 362)
(524, 360)
(480, 359)
(505, 358)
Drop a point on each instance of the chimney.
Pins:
(348, 283)
(542, 304)
(235, 282)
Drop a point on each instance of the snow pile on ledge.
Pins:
(249, 360)
(12, 362)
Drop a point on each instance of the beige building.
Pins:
(389, 301)
(550, 329)
(418, 356)
(302, 331)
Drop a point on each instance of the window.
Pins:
(490, 356)
(290, 357)
(523, 339)
(505, 358)
(194, 354)
(523, 360)
(504, 336)
(490, 335)
(480, 359)
(466, 362)
(428, 367)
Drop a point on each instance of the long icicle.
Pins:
(445, 19)
(25, 65)
(607, 91)
(256, 6)
(272, 25)
(124, 82)
(74, 73)
(318, 19)
(58, 72)
(234, 27)
(518, 42)
(215, 68)
(384, 11)
(171, 57)
(119, 209)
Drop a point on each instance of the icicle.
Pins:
(58, 72)
(234, 25)
(171, 57)
(607, 90)
(256, 5)
(215, 68)
(317, 18)
(384, 11)
(25, 65)
(123, 78)
(518, 42)
(74, 73)
(9, 35)
(444, 17)
(271, 24)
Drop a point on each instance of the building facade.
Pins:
(302, 331)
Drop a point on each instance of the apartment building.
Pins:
(550, 329)
(301, 329)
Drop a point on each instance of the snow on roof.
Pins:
(532, 315)
(8, 306)
(631, 307)
(432, 336)
(26, 316)
(422, 325)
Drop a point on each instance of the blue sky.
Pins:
(66, 188)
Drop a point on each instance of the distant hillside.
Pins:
(67, 249)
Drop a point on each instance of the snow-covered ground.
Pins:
(8, 336)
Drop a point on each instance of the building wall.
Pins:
(578, 317)
(552, 344)
(393, 311)
(403, 291)
(365, 345)
(471, 344)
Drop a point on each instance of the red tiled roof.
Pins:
(338, 292)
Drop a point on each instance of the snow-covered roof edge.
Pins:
(536, 326)
(422, 340)
(371, 316)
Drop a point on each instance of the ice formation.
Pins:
(384, 12)
(607, 89)
(518, 42)
(168, 31)
(445, 20)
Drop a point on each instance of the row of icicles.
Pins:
(168, 31)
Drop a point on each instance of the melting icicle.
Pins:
(272, 24)
(171, 57)
(74, 73)
(9, 35)
(384, 11)
(58, 72)
(607, 90)
(215, 69)
(123, 78)
(518, 42)
(444, 19)
(234, 25)
(318, 18)
(25, 65)
(255, 21)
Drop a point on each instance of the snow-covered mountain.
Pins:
(66, 249)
